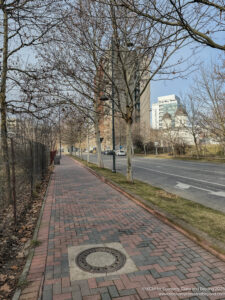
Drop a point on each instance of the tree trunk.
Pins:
(88, 154)
(196, 146)
(145, 149)
(173, 150)
(13, 182)
(97, 139)
(129, 151)
(132, 148)
(80, 152)
(31, 167)
(4, 142)
(98, 145)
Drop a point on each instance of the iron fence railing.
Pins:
(28, 163)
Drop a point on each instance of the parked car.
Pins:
(120, 153)
(108, 152)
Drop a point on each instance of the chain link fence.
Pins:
(28, 162)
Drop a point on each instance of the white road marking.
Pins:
(190, 162)
(188, 168)
(220, 193)
(175, 175)
(184, 186)
(171, 174)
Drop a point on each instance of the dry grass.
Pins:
(183, 157)
(209, 153)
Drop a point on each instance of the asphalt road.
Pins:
(197, 181)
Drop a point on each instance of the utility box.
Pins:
(57, 160)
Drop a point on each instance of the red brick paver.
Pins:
(81, 210)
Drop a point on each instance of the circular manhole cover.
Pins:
(100, 260)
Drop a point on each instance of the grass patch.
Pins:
(22, 284)
(35, 194)
(35, 243)
(205, 219)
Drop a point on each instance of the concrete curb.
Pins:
(26, 268)
(161, 215)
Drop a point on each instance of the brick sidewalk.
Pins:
(82, 210)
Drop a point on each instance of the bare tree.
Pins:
(169, 133)
(193, 109)
(140, 52)
(25, 24)
(201, 20)
(146, 134)
(109, 48)
(73, 129)
(73, 70)
(208, 92)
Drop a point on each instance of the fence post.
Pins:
(31, 169)
(43, 162)
(13, 181)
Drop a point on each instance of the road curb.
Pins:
(160, 215)
(26, 268)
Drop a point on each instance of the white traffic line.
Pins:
(181, 167)
(196, 164)
(171, 174)
(184, 186)
(180, 176)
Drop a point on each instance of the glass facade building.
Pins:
(166, 104)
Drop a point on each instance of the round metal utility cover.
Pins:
(100, 260)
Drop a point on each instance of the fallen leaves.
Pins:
(16, 244)
(5, 288)
(23, 240)
(3, 277)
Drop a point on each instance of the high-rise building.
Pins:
(155, 115)
(166, 104)
(145, 108)
(138, 79)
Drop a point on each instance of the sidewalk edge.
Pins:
(26, 268)
(160, 215)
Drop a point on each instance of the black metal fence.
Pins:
(28, 164)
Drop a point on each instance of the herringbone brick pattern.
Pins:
(79, 210)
